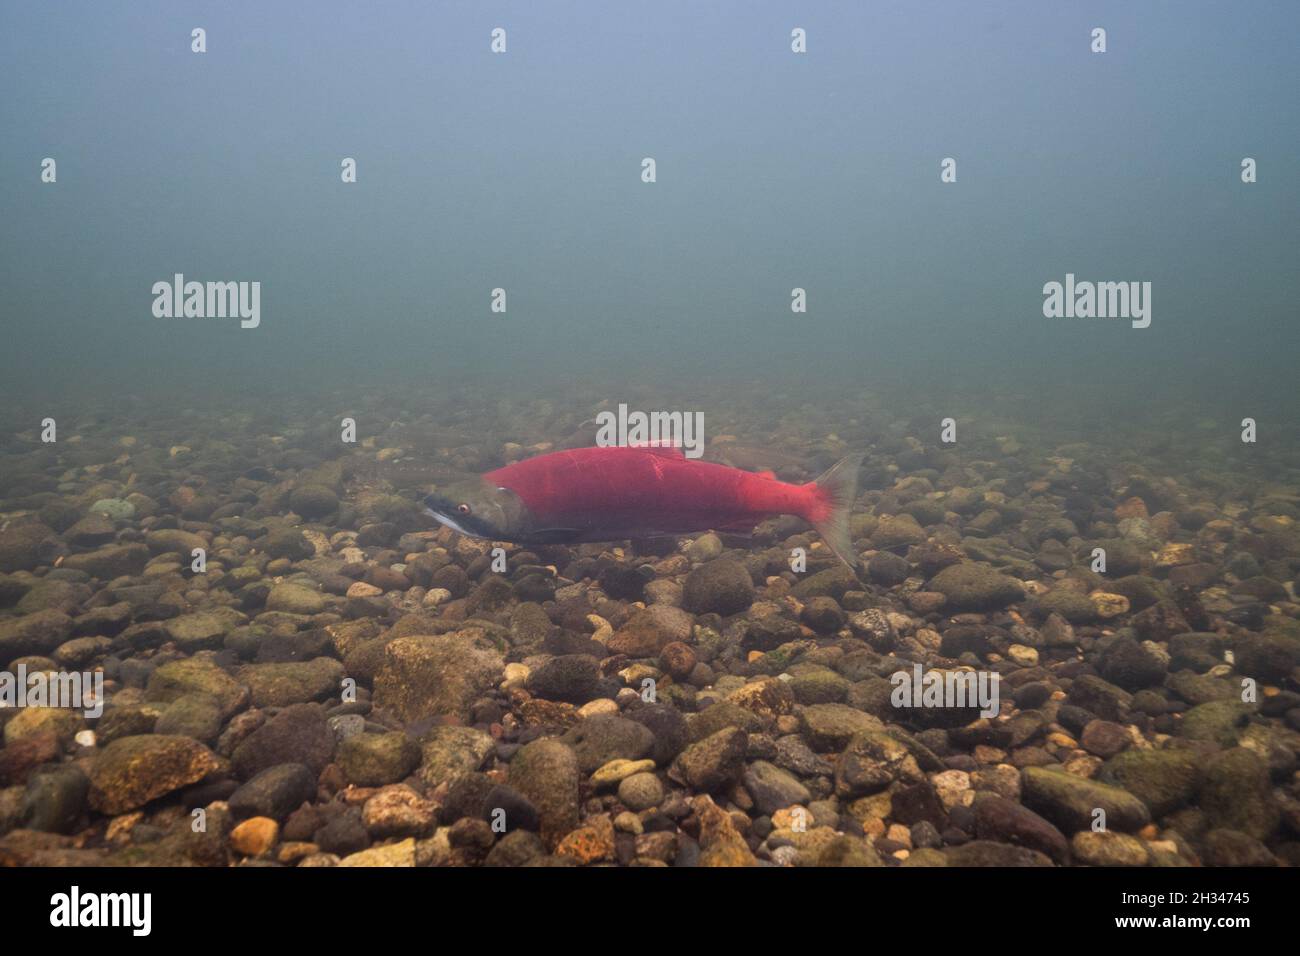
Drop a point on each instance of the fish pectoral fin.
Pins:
(662, 450)
(554, 535)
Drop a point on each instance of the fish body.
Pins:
(615, 493)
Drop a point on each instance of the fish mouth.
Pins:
(451, 523)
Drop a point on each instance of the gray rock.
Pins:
(297, 734)
(546, 773)
(275, 792)
(605, 737)
(976, 587)
(570, 677)
(721, 587)
(55, 799)
(641, 791)
(714, 762)
(449, 751)
(373, 760)
(773, 788)
(1005, 821)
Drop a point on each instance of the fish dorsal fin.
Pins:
(770, 475)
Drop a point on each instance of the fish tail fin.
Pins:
(833, 496)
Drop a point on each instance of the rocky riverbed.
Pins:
(347, 684)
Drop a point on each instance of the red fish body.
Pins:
(614, 493)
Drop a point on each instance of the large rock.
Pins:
(872, 761)
(130, 772)
(1271, 656)
(832, 583)
(428, 676)
(373, 760)
(387, 855)
(169, 540)
(1126, 663)
(21, 545)
(275, 792)
(605, 737)
(649, 631)
(448, 751)
(202, 630)
(293, 682)
(182, 678)
(1005, 821)
(667, 725)
(297, 734)
(773, 788)
(832, 726)
(1070, 801)
(721, 844)
(313, 501)
(971, 586)
(1165, 780)
(546, 773)
(714, 762)
(37, 633)
(1236, 794)
(294, 598)
(720, 587)
(111, 561)
(574, 678)
(195, 715)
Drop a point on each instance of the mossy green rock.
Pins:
(293, 682)
(1162, 779)
(196, 676)
(373, 760)
(194, 715)
(1072, 605)
(295, 599)
(971, 586)
(819, 685)
(1236, 794)
(1220, 722)
(1069, 801)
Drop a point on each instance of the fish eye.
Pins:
(463, 508)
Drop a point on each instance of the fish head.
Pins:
(479, 509)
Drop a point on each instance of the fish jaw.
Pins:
(448, 521)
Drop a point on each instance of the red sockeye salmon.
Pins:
(616, 493)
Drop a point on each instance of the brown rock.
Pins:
(255, 836)
(130, 772)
